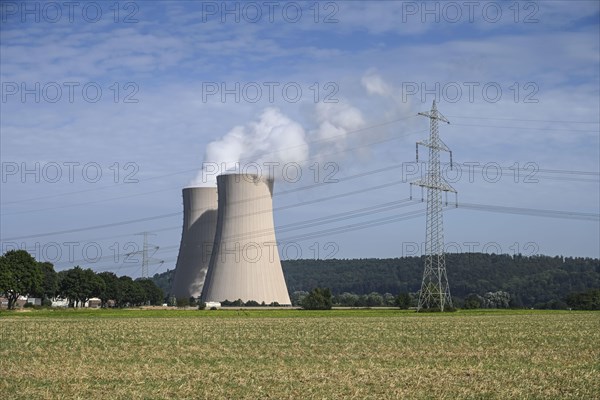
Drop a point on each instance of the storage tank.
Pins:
(197, 239)
(245, 260)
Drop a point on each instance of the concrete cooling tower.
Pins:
(245, 262)
(197, 239)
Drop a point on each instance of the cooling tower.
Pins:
(197, 239)
(245, 262)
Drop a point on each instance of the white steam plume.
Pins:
(265, 145)
(374, 84)
(335, 121)
(251, 148)
(377, 87)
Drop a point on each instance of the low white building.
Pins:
(58, 302)
(213, 304)
(94, 302)
(36, 301)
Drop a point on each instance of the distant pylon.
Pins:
(145, 257)
(435, 291)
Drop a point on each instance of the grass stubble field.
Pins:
(295, 354)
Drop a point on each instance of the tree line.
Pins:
(477, 280)
(22, 275)
(531, 281)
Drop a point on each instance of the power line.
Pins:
(356, 213)
(361, 212)
(341, 229)
(405, 216)
(527, 120)
(316, 156)
(162, 190)
(531, 211)
(313, 201)
(520, 128)
(178, 213)
(316, 141)
(85, 203)
(245, 159)
(307, 223)
(479, 168)
(131, 221)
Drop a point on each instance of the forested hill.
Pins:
(530, 280)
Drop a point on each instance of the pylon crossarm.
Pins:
(441, 145)
(444, 187)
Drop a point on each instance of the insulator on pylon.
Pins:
(417, 148)
(450, 159)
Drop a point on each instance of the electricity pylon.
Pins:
(435, 291)
(145, 257)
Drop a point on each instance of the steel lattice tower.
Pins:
(146, 259)
(435, 291)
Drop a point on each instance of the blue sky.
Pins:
(519, 82)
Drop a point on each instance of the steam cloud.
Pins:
(336, 120)
(276, 138)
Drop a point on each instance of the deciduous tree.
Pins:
(112, 288)
(79, 285)
(318, 299)
(152, 293)
(49, 287)
(20, 274)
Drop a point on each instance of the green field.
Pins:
(295, 354)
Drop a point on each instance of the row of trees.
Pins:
(587, 300)
(532, 281)
(373, 299)
(322, 299)
(21, 274)
(249, 303)
(79, 285)
(499, 299)
(192, 302)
